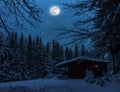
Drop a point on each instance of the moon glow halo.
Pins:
(54, 10)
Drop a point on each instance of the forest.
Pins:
(23, 58)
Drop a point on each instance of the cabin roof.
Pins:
(80, 59)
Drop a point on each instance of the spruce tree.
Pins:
(107, 20)
(38, 55)
(21, 43)
(47, 66)
(29, 47)
(67, 53)
(76, 51)
(56, 51)
(71, 53)
(1, 39)
(82, 50)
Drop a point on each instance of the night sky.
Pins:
(45, 30)
(64, 19)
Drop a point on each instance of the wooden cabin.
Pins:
(77, 67)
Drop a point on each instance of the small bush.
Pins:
(89, 77)
(100, 81)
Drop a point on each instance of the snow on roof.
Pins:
(81, 59)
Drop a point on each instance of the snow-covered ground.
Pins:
(55, 85)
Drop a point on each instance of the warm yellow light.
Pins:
(96, 66)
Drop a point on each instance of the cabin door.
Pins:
(77, 71)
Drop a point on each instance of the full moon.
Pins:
(55, 10)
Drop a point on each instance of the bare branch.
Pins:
(19, 11)
(4, 25)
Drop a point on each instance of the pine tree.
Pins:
(1, 39)
(76, 51)
(47, 66)
(83, 50)
(12, 40)
(30, 57)
(56, 51)
(38, 56)
(107, 20)
(22, 43)
(15, 40)
(23, 63)
(37, 40)
(29, 47)
(71, 53)
(67, 53)
(61, 53)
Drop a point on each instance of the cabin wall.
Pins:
(78, 70)
(98, 68)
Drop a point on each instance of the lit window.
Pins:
(96, 66)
